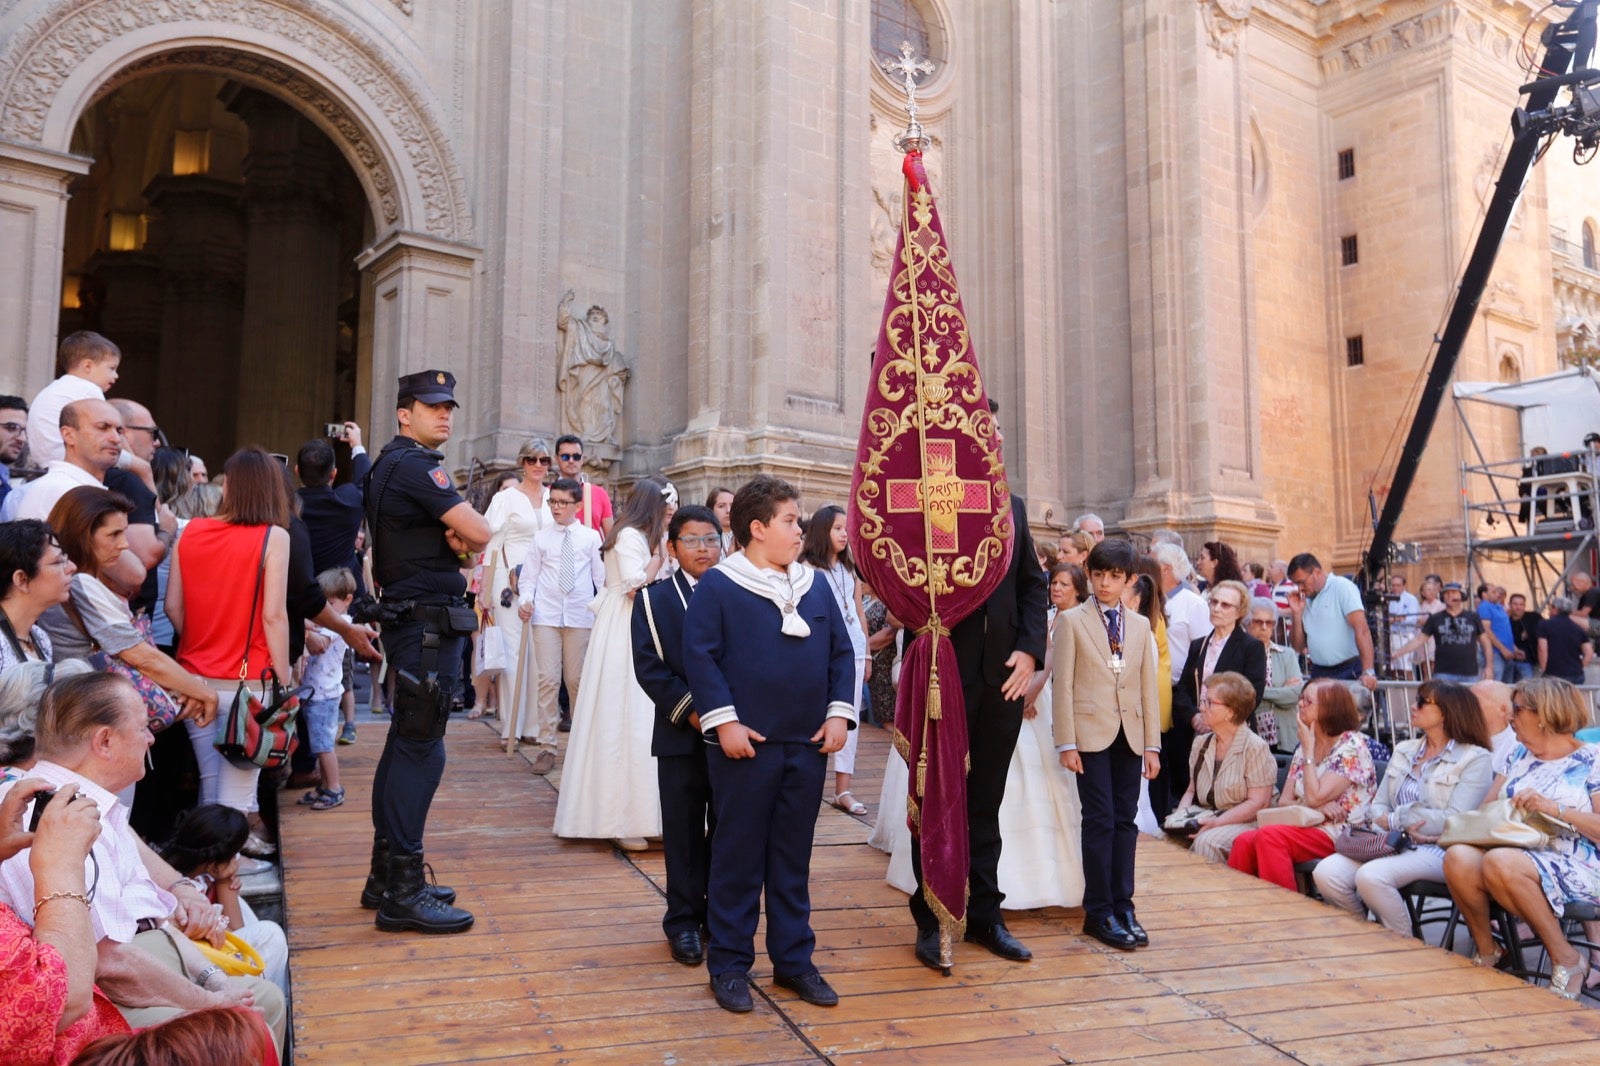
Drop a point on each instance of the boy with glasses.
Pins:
(560, 575)
(694, 540)
(594, 503)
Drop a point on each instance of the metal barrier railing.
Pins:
(1391, 712)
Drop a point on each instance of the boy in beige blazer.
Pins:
(1107, 715)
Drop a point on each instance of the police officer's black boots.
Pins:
(378, 877)
(409, 905)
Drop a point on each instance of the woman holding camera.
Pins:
(1231, 769)
(1444, 771)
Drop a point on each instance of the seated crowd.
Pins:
(122, 922)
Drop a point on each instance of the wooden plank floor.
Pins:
(567, 964)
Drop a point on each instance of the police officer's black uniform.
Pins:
(425, 621)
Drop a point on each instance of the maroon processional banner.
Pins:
(930, 528)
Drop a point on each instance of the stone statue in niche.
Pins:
(591, 376)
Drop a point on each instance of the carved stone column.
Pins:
(128, 286)
(199, 229)
(1196, 413)
(33, 217)
(417, 308)
(288, 354)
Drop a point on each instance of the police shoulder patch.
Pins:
(440, 478)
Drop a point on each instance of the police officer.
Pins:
(422, 532)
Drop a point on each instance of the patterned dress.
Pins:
(1351, 760)
(1570, 868)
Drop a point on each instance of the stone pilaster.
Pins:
(33, 212)
(1196, 411)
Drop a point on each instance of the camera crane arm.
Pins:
(1564, 42)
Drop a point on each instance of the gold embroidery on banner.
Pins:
(931, 362)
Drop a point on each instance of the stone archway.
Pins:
(342, 73)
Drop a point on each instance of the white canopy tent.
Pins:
(1555, 411)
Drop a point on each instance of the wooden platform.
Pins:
(567, 964)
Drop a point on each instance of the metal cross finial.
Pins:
(908, 66)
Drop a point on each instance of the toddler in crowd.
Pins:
(324, 673)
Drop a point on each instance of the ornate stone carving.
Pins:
(1440, 23)
(1225, 22)
(38, 59)
(592, 374)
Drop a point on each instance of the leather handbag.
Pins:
(1500, 825)
(1363, 843)
(158, 703)
(1294, 814)
(256, 733)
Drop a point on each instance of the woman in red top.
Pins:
(216, 567)
(49, 1008)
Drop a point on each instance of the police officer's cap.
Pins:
(429, 386)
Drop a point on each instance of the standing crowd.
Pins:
(710, 665)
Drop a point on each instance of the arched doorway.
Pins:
(342, 72)
(215, 240)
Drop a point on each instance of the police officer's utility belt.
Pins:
(448, 617)
(421, 704)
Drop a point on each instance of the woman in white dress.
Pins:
(608, 783)
(516, 513)
(827, 549)
(1040, 861)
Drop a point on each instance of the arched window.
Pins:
(894, 21)
(1510, 369)
(1589, 260)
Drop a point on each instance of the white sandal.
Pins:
(855, 806)
(1567, 981)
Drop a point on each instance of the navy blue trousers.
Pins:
(409, 771)
(1108, 789)
(766, 818)
(687, 825)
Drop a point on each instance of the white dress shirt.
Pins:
(1188, 619)
(123, 891)
(540, 582)
(40, 496)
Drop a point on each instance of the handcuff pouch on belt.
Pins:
(422, 707)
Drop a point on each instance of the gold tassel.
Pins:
(935, 701)
(922, 771)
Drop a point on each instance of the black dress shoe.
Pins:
(1131, 924)
(732, 991)
(998, 939)
(810, 987)
(1110, 932)
(687, 947)
(927, 951)
(564, 726)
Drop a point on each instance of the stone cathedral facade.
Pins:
(1203, 244)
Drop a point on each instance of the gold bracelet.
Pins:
(79, 896)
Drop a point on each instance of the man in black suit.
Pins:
(695, 540)
(999, 647)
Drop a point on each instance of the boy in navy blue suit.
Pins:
(694, 539)
(770, 666)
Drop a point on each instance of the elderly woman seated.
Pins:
(1555, 774)
(1331, 775)
(49, 1007)
(1443, 771)
(1231, 769)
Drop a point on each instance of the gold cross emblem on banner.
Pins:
(949, 496)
